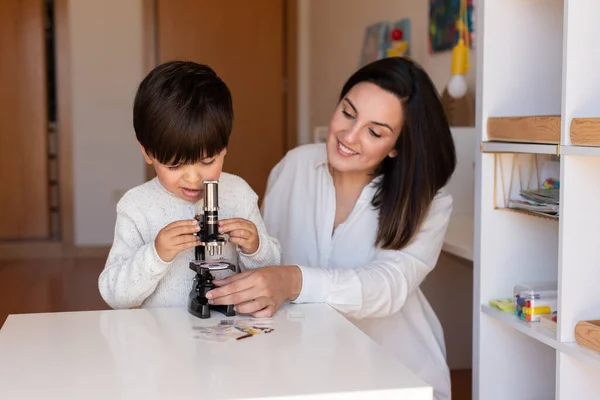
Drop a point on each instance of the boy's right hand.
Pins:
(175, 238)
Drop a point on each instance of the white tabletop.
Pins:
(313, 352)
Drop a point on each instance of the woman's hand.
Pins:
(241, 232)
(259, 292)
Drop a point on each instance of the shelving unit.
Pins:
(524, 148)
(543, 63)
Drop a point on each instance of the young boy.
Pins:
(182, 117)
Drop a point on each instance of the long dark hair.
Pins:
(426, 156)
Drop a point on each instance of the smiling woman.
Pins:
(361, 218)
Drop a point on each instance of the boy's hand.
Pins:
(175, 238)
(241, 232)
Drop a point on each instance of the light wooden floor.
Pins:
(72, 285)
(49, 286)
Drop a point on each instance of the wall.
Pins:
(332, 40)
(335, 34)
(107, 65)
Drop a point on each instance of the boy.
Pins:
(182, 117)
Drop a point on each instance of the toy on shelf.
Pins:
(534, 300)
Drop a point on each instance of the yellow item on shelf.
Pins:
(507, 304)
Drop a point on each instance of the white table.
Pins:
(313, 352)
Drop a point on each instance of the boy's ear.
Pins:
(145, 155)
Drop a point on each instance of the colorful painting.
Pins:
(404, 26)
(443, 15)
(375, 43)
(378, 42)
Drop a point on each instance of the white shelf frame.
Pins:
(586, 151)
(524, 148)
(545, 64)
(544, 335)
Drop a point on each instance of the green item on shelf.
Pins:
(507, 304)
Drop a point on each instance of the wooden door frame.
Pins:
(290, 72)
(65, 247)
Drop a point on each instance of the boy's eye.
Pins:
(207, 162)
(174, 167)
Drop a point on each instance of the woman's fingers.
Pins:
(232, 278)
(266, 312)
(222, 294)
(253, 306)
(234, 298)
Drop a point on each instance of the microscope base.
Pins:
(201, 309)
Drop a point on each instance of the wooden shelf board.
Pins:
(536, 331)
(530, 213)
(533, 129)
(526, 148)
(585, 131)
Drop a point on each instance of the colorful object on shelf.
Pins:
(532, 301)
(443, 30)
(551, 184)
(549, 321)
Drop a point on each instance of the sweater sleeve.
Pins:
(381, 287)
(133, 268)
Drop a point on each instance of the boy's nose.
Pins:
(192, 176)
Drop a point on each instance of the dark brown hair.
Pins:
(426, 156)
(182, 113)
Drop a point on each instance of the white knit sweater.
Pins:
(135, 276)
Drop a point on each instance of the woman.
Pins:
(361, 219)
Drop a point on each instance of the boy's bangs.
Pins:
(177, 145)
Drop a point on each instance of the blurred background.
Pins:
(68, 74)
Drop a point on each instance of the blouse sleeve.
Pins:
(381, 287)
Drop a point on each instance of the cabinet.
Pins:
(537, 60)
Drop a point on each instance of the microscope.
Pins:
(211, 244)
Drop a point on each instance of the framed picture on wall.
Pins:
(443, 15)
(374, 43)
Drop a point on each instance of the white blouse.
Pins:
(378, 290)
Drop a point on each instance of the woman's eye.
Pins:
(347, 114)
(373, 133)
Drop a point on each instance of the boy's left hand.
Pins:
(241, 232)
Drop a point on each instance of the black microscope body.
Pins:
(211, 243)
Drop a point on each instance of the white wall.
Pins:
(333, 36)
(106, 65)
(335, 33)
